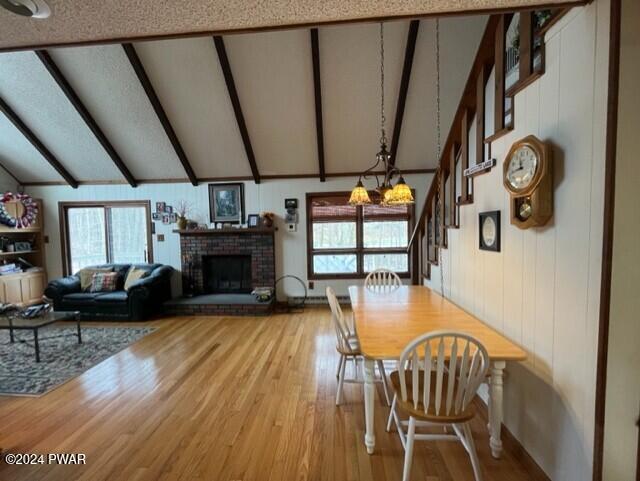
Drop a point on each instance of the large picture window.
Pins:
(345, 241)
(105, 232)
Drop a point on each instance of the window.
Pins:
(99, 233)
(349, 242)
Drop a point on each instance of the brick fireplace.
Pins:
(220, 267)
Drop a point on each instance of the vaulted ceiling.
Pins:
(274, 83)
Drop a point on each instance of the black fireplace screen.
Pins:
(227, 274)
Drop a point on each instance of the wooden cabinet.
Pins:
(22, 289)
(27, 287)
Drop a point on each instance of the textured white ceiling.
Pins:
(350, 70)
(274, 77)
(188, 79)
(459, 39)
(96, 20)
(20, 158)
(108, 87)
(32, 93)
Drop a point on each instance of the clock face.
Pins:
(523, 165)
(489, 231)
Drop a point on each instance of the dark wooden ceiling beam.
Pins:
(235, 102)
(37, 144)
(138, 68)
(317, 88)
(409, 52)
(71, 95)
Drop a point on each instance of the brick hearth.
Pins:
(194, 244)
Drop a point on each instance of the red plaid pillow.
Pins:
(104, 282)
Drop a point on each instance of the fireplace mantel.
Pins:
(227, 231)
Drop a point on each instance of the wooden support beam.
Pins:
(525, 49)
(317, 89)
(138, 68)
(409, 52)
(235, 102)
(90, 122)
(453, 205)
(37, 144)
(465, 197)
(483, 77)
(499, 104)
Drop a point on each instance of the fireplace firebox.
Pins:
(227, 274)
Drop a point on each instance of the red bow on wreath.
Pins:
(28, 217)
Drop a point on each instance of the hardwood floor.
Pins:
(223, 398)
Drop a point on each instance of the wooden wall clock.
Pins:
(528, 176)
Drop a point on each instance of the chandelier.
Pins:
(398, 194)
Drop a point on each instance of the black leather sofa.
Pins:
(143, 299)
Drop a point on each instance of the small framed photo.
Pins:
(226, 203)
(173, 218)
(156, 216)
(253, 220)
(291, 203)
(489, 231)
(160, 206)
(168, 209)
(166, 219)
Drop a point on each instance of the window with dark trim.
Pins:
(95, 233)
(345, 241)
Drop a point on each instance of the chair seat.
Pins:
(419, 412)
(354, 346)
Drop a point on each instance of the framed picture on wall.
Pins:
(489, 231)
(253, 220)
(226, 203)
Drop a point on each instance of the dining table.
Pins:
(386, 319)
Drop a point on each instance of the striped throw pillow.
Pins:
(104, 282)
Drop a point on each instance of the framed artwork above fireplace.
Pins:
(226, 203)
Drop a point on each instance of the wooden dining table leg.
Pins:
(369, 403)
(496, 413)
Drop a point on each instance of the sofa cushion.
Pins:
(134, 274)
(80, 298)
(112, 297)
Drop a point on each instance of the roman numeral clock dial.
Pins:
(528, 177)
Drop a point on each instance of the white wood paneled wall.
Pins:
(542, 289)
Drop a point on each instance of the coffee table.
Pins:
(13, 322)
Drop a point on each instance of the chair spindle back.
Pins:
(468, 362)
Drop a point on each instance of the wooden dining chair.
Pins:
(437, 378)
(349, 349)
(382, 279)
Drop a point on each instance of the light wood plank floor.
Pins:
(223, 398)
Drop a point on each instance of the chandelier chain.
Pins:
(383, 137)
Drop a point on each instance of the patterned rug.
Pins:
(61, 357)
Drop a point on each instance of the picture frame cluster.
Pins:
(164, 213)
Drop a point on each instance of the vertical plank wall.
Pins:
(542, 289)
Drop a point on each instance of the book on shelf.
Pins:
(7, 269)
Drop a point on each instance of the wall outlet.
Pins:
(160, 237)
(292, 227)
(311, 284)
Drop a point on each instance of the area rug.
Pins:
(61, 357)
